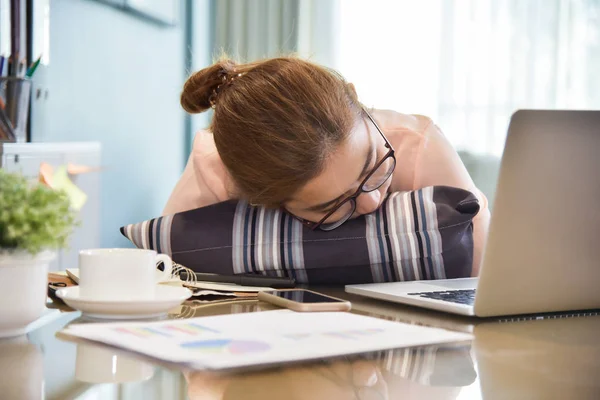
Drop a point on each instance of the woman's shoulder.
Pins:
(205, 154)
(204, 142)
(208, 164)
(391, 121)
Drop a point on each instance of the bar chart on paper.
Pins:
(169, 330)
(186, 331)
(229, 346)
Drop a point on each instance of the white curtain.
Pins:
(470, 63)
(255, 29)
(318, 31)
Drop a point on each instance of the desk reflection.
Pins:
(545, 359)
(538, 359)
(21, 369)
(431, 372)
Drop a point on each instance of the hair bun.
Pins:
(198, 89)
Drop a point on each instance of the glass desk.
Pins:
(545, 359)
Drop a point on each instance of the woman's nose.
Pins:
(366, 203)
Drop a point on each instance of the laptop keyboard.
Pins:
(463, 296)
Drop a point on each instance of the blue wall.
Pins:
(116, 79)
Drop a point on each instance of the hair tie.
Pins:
(226, 80)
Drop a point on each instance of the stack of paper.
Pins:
(201, 288)
(261, 338)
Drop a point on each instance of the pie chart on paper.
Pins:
(227, 346)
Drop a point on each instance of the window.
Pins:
(469, 64)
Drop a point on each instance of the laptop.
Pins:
(543, 248)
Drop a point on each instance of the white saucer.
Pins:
(165, 298)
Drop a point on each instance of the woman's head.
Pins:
(290, 133)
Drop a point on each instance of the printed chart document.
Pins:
(260, 338)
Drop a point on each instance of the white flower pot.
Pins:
(23, 289)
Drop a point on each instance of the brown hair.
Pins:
(275, 121)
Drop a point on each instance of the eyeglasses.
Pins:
(374, 180)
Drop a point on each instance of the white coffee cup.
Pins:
(121, 274)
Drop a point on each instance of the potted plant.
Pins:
(35, 222)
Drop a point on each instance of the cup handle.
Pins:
(168, 265)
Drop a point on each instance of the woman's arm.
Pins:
(438, 163)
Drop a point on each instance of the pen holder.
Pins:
(14, 108)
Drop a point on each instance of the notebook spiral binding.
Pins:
(190, 276)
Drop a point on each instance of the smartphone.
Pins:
(304, 300)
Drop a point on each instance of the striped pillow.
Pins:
(421, 234)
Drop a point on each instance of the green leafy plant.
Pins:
(33, 217)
